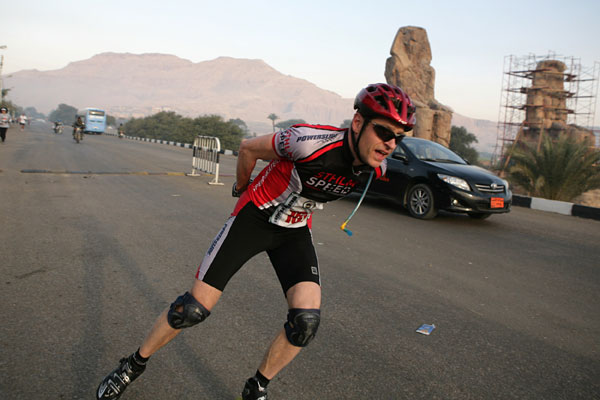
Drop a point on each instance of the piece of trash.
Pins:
(426, 329)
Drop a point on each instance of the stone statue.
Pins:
(409, 68)
(546, 108)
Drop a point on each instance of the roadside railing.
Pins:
(206, 157)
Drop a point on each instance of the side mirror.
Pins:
(401, 157)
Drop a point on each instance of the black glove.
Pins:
(235, 192)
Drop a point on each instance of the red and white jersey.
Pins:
(314, 167)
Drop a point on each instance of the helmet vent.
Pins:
(397, 104)
(381, 101)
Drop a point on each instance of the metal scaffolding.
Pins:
(580, 92)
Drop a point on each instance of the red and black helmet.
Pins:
(386, 101)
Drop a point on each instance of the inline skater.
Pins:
(310, 165)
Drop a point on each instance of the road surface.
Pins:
(94, 248)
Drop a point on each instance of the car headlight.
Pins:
(506, 185)
(454, 181)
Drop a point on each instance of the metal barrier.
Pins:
(206, 157)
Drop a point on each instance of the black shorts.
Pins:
(290, 250)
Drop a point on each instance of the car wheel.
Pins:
(479, 215)
(420, 202)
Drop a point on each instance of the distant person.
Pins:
(22, 121)
(4, 123)
(121, 131)
(310, 165)
(78, 124)
(58, 126)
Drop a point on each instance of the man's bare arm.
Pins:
(251, 150)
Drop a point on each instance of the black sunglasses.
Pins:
(385, 134)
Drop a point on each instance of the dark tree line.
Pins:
(460, 143)
(168, 125)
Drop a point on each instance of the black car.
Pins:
(426, 177)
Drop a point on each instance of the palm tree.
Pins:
(560, 170)
(273, 117)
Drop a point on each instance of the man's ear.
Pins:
(357, 122)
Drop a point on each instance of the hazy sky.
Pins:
(337, 45)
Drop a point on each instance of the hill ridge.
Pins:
(137, 85)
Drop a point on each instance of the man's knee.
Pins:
(301, 326)
(190, 313)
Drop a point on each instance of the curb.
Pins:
(160, 141)
(560, 207)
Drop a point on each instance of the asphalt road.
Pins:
(92, 250)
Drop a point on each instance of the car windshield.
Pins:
(430, 151)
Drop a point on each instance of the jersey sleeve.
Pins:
(301, 141)
(284, 143)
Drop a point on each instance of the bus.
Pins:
(94, 120)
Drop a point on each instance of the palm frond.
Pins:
(561, 170)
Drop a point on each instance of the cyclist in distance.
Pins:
(58, 126)
(78, 124)
(309, 166)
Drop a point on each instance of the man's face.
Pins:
(378, 139)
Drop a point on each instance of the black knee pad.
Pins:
(191, 314)
(301, 326)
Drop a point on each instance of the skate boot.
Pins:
(115, 383)
(253, 390)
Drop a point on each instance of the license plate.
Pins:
(496, 202)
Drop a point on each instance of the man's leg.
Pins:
(303, 295)
(304, 302)
(186, 311)
(162, 333)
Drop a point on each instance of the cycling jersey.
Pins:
(314, 167)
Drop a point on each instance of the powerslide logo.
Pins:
(325, 136)
(331, 183)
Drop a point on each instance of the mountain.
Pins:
(138, 85)
(484, 130)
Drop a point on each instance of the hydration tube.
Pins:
(343, 226)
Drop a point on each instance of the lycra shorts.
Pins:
(290, 250)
